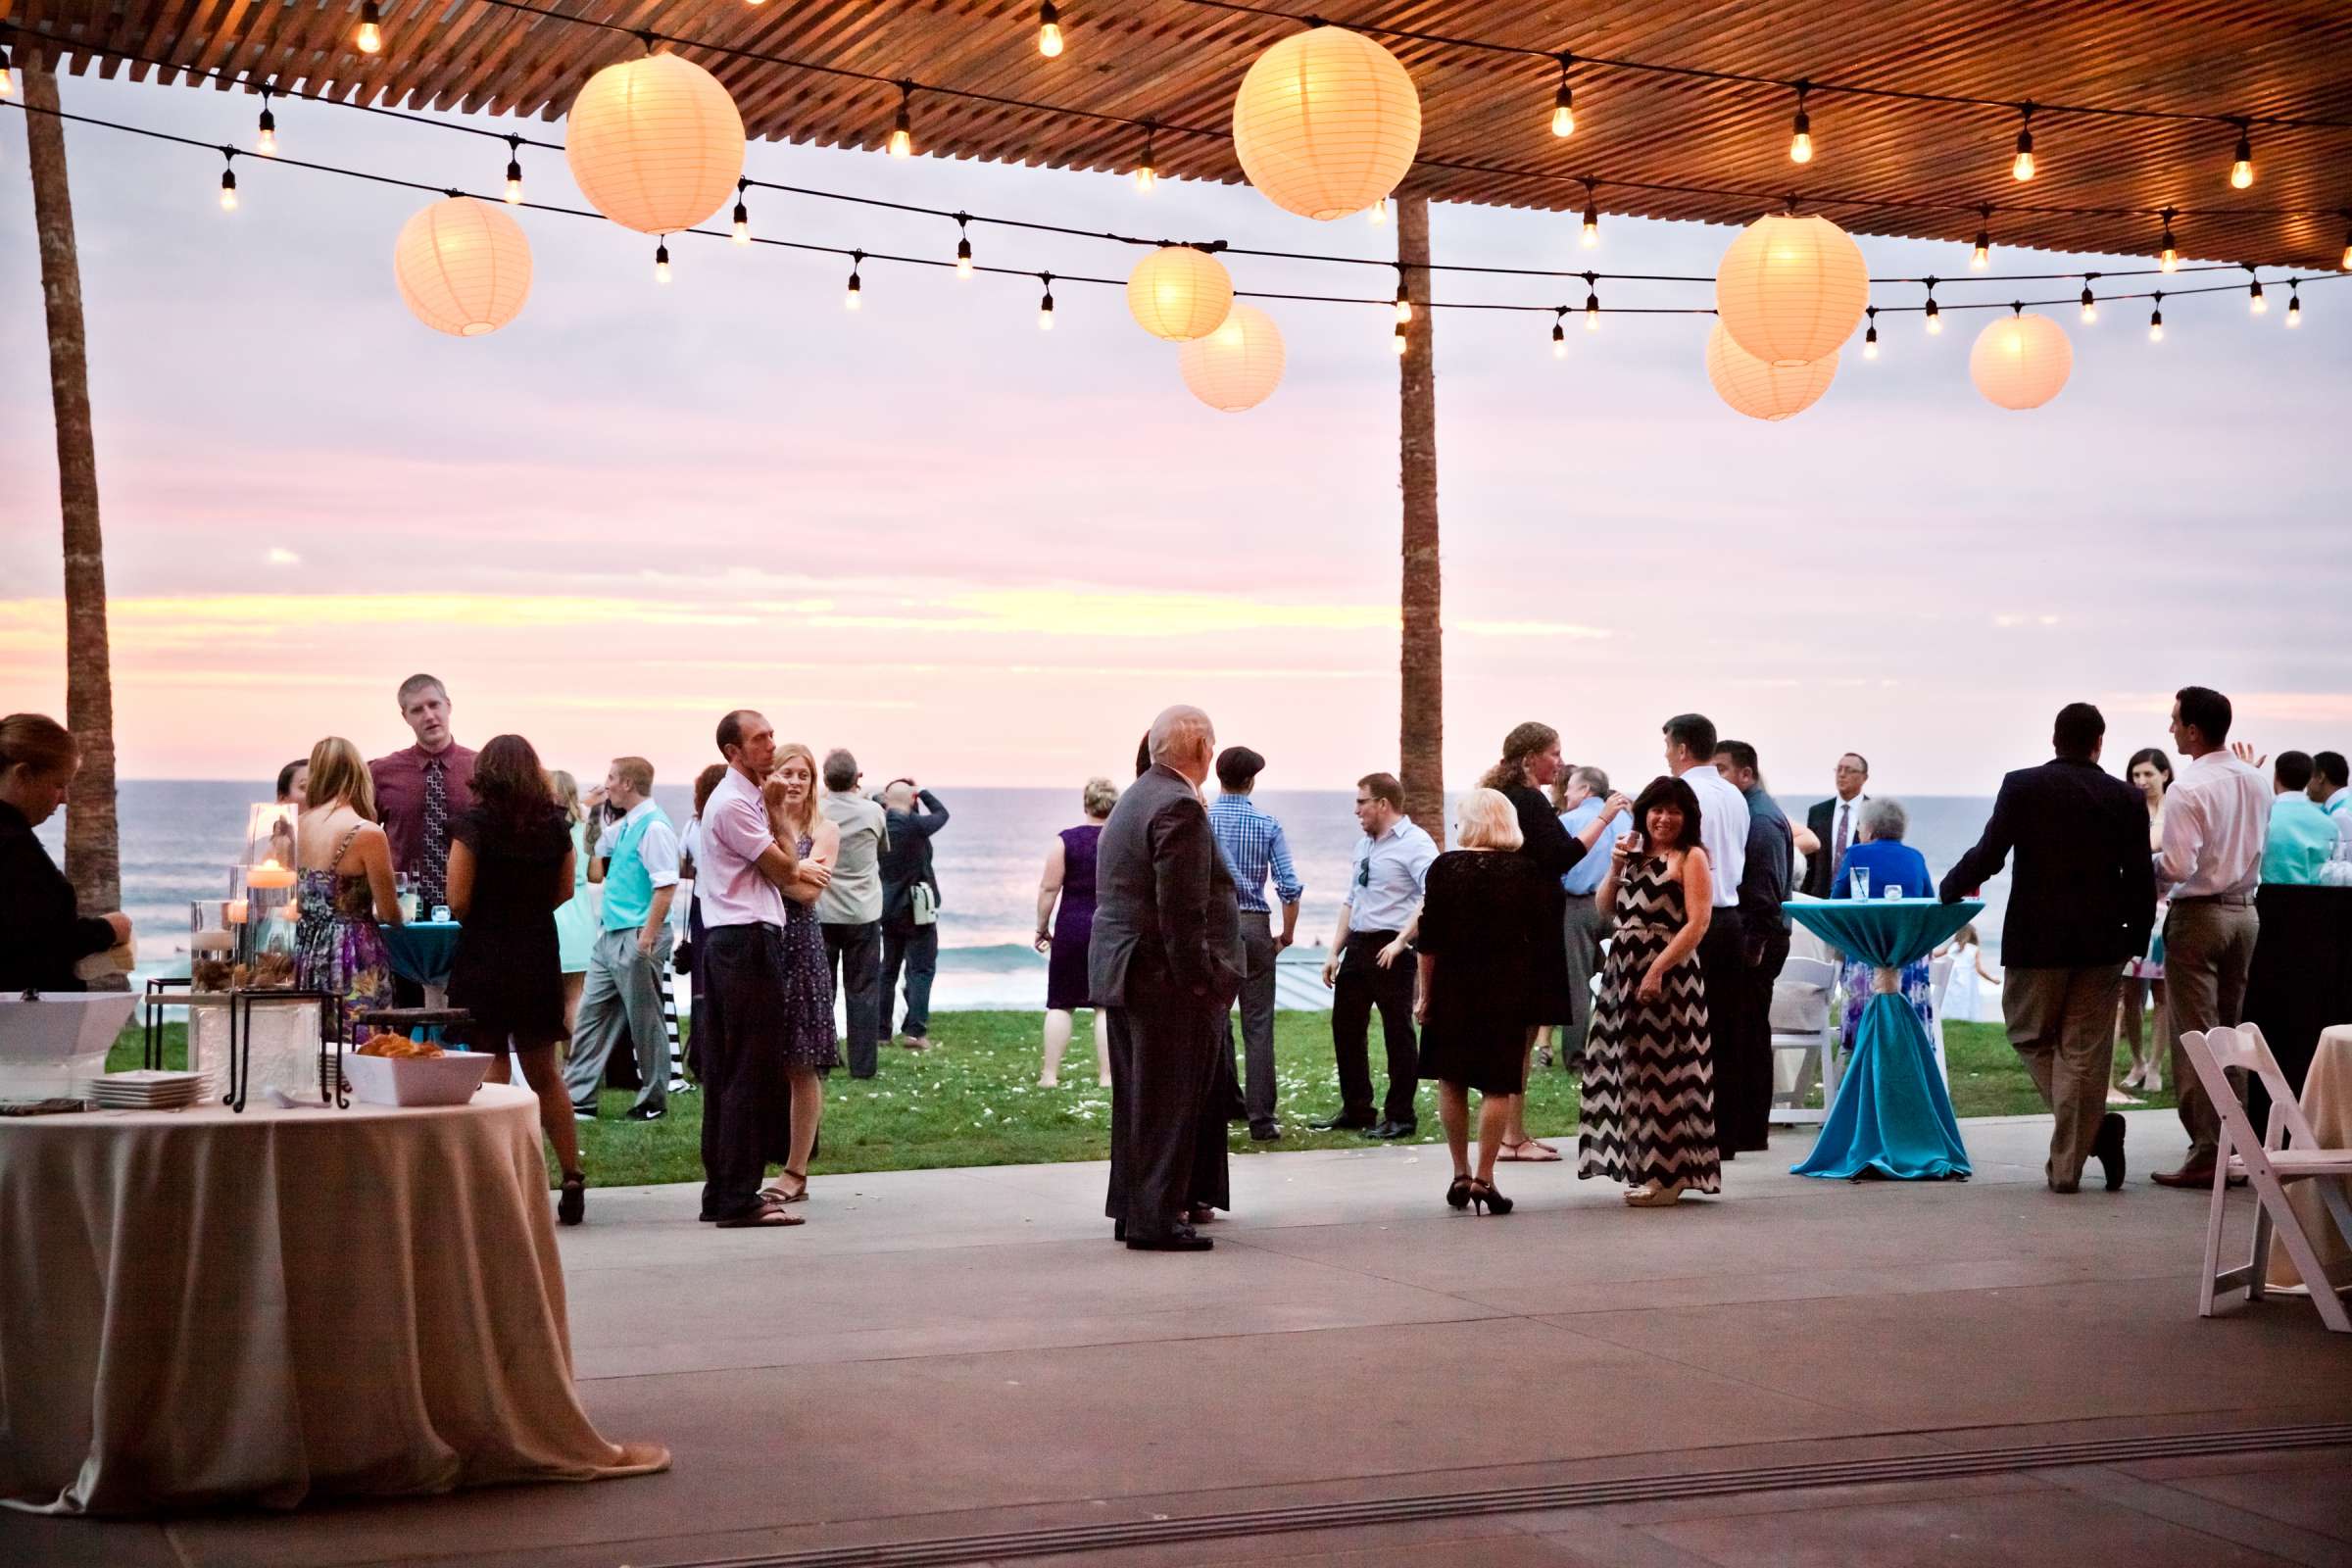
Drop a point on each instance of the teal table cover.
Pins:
(421, 950)
(1891, 1116)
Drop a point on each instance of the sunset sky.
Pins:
(986, 555)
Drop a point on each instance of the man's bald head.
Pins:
(1183, 738)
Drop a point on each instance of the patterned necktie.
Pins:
(433, 867)
(1845, 818)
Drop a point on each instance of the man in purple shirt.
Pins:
(422, 789)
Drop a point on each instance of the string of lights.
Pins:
(964, 266)
(900, 140)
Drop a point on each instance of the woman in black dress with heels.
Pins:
(1530, 760)
(509, 867)
(1481, 913)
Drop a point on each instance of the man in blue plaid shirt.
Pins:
(1254, 847)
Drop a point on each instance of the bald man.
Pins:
(1166, 962)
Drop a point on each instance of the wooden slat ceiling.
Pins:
(1485, 137)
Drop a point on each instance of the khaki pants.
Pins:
(2208, 947)
(2062, 1026)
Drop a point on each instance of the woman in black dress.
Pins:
(509, 867)
(43, 933)
(1481, 909)
(1530, 760)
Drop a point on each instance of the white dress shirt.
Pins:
(1722, 829)
(2217, 816)
(727, 848)
(1385, 892)
(2339, 807)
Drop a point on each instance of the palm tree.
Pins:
(1421, 663)
(93, 854)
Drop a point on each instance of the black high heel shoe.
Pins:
(1484, 1198)
(1458, 1194)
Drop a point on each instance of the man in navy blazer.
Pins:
(2081, 902)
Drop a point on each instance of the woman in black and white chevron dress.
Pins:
(1649, 1094)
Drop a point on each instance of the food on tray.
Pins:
(399, 1045)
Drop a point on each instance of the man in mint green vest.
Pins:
(636, 860)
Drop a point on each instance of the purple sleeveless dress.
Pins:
(1073, 921)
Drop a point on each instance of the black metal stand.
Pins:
(179, 992)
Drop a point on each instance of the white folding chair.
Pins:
(1801, 1025)
(2269, 1163)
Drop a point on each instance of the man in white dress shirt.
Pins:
(2217, 816)
(1741, 1059)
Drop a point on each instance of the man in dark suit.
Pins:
(2081, 902)
(1837, 823)
(1165, 961)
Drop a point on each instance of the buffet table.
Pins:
(199, 1307)
(2327, 1101)
(1892, 1115)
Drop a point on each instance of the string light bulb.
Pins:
(901, 131)
(1044, 306)
(1146, 173)
(1398, 341)
(8, 80)
(1049, 30)
(2242, 161)
(857, 291)
(1870, 338)
(2168, 256)
(743, 214)
(661, 260)
(1404, 306)
(2090, 305)
(964, 245)
(2346, 262)
(1559, 333)
(370, 37)
(1563, 103)
(266, 142)
(1592, 230)
(1935, 312)
(1377, 213)
(513, 170)
(2156, 319)
(2256, 304)
(228, 184)
(1979, 255)
(1591, 303)
(2294, 304)
(2021, 167)
(1800, 141)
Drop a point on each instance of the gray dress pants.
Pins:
(622, 992)
(1256, 1003)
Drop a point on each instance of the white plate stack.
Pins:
(146, 1089)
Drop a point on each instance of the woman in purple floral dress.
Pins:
(810, 1047)
(345, 886)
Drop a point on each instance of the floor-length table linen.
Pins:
(2327, 1101)
(1892, 1115)
(198, 1307)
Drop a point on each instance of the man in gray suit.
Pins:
(1165, 961)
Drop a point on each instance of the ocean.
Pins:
(180, 836)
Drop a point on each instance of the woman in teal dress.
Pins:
(575, 920)
(1890, 863)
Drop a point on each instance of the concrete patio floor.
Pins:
(963, 1360)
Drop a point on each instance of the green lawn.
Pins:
(974, 1101)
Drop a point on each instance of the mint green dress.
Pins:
(575, 916)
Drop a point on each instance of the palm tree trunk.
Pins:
(1421, 716)
(94, 855)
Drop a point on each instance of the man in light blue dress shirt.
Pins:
(1254, 848)
(1583, 922)
(1371, 963)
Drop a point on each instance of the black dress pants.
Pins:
(1362, 985)
(1164, 1053)
(747, 1102)
(1740, 1056)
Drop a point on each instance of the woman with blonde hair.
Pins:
(575, 919)
(1482, 918)
(345, 887)
(1065, 919)
(810, 1047)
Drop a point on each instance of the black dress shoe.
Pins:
(2109, 1150)
(1182, 1239)
(1264, 1132)
(1393, 1129)
(1344, 1123)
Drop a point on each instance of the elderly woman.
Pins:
(1482, 922)
(1891, 866)
(1065, 919)
(43, 934)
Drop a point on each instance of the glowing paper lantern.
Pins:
(655, 143)
(1764, 391)
(463, 266)
(1326, 122)
(1791, 290)
(1179, 293)
(2021, 362)
(1239, 365)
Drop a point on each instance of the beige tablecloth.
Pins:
(2327, 1101)
(199, 1306)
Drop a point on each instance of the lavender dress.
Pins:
(1073, 921)
(338, 949)
(808, 1040)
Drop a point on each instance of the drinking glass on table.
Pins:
(1892, 890)
(1857, 881)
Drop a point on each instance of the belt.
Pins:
(2240, 900)
(1382, 937)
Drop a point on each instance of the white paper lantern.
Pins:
(655, 143)
(1791, 290)
(1326, 122)
(1238, 366)
(1764, 391)
(1179, 293)
(2021, 362)
(463, 266)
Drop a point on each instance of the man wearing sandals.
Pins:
(742, 868)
